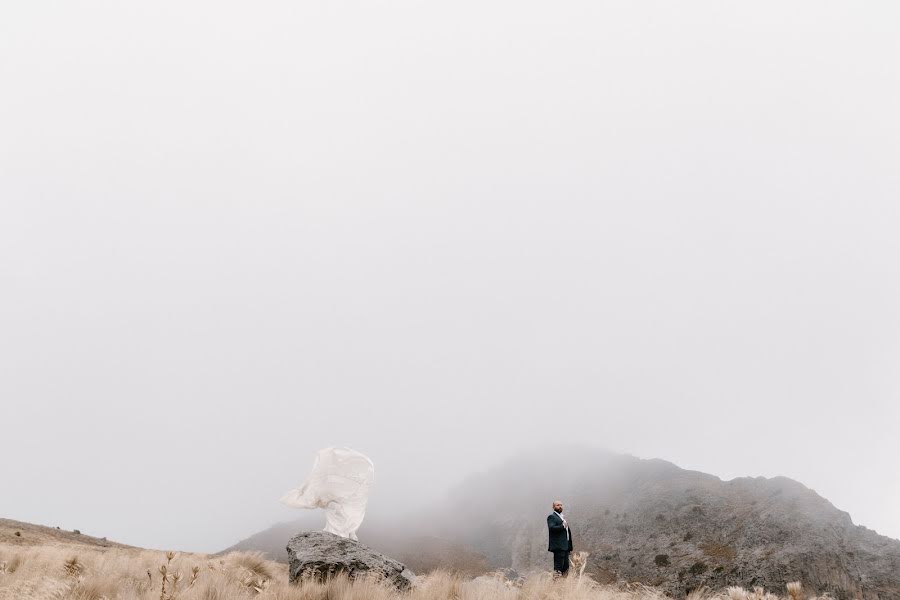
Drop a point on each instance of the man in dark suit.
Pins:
(560, 539)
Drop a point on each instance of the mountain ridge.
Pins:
(650, 521)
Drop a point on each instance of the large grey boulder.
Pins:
(319, 554)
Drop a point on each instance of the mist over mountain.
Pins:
(646, 521)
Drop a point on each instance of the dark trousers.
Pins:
(561, 561)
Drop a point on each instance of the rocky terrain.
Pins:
(653, 522)
(322, 555)
(650, 521)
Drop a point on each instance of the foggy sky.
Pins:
(440, 233)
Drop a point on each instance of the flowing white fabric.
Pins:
(339, 483)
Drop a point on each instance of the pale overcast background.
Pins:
(233, 233)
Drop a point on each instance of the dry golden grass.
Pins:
(66, 572)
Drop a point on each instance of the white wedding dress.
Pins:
(339, 483)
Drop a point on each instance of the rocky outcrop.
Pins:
(319, 555)
(652, 522)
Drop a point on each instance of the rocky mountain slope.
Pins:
(653, 522)
(647, 521)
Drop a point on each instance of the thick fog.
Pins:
(440, 233)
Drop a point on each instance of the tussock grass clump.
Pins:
(12, 565)
(97, 587)
(795, 590)
(254, 562)
(72, 567)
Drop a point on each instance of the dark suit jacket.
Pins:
(558, 541)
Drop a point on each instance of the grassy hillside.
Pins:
(16, 533)
(46, 563)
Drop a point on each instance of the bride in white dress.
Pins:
(339, 483)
